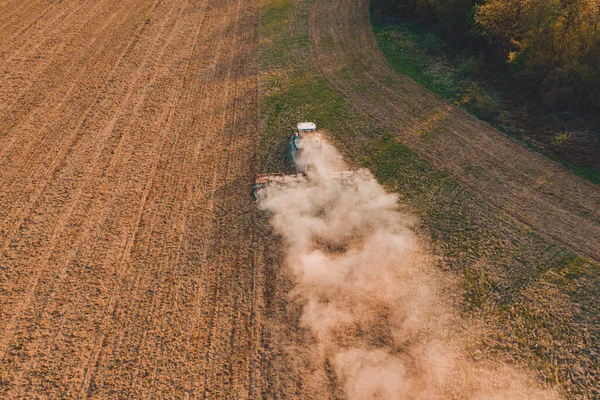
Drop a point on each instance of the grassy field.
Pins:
(528, 301)
(423, 55)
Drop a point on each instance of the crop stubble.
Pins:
(529, 187)
(127, 132)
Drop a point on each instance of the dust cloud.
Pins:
(371, 296)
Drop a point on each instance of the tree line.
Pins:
(550, 46)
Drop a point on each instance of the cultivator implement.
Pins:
(263, 182)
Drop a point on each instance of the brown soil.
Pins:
(126, 222)
(536, 191)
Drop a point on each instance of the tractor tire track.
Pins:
(532, 189)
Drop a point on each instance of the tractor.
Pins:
(305, 136)
(307, 151)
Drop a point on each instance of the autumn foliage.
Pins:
(550, 46)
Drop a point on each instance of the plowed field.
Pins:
(126, 142)
(534, 190)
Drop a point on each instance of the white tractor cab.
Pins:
(305, 135)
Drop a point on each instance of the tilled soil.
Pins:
(127, 132)
(534, 190)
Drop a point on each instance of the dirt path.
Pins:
(536, 191)
(126, 142)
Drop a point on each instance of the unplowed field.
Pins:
(127, 131)
(529, 187)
